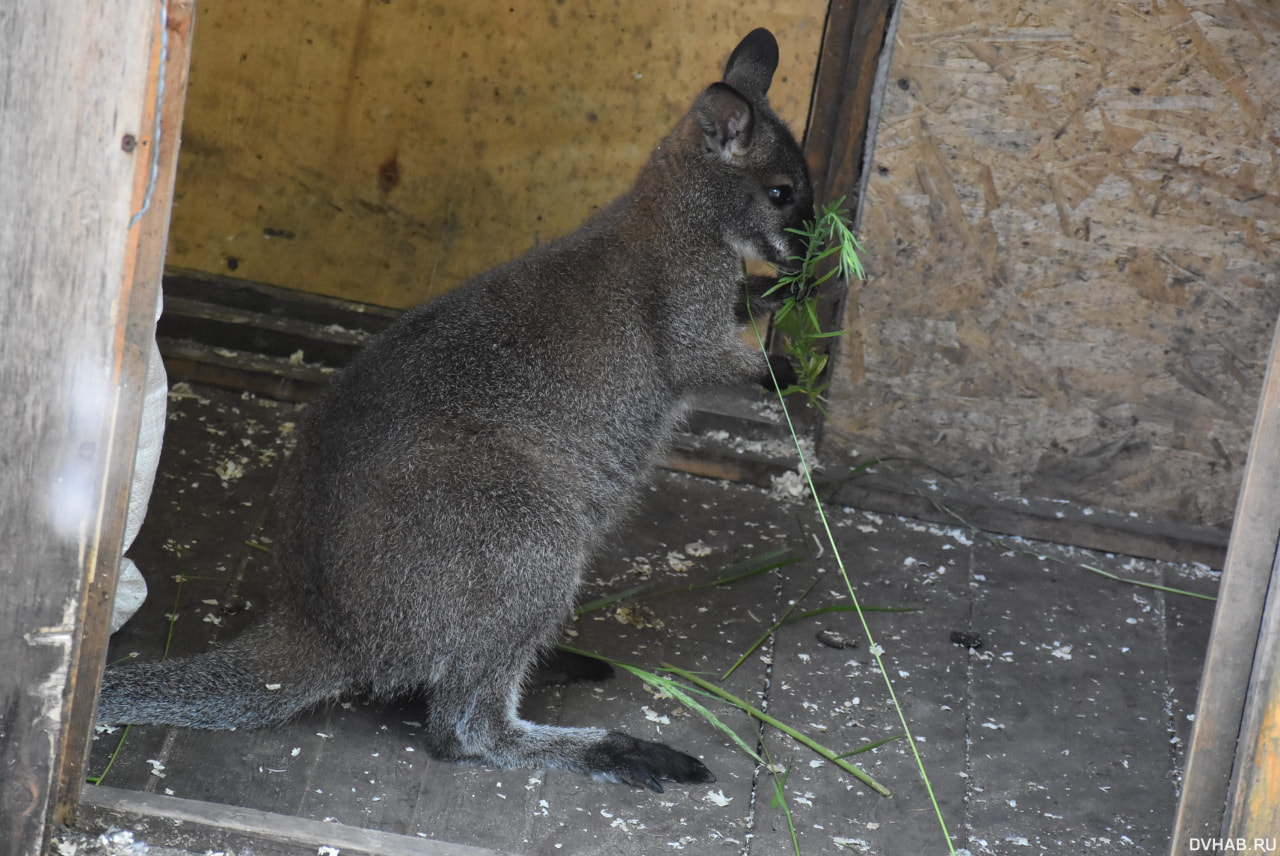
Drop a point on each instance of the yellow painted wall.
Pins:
(387, 150)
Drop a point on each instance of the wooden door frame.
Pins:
(90, 140)
(93, 96)
(843, 115)
(138, 64)
(165, 101)
(1229, 790)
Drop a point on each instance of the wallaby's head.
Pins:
(749, 163)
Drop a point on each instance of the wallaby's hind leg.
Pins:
(480, 724)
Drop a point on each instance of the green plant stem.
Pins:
(681, 694)
(826, 525)
(796, 321)
(780, 796)
(97, 780)
(769, 632)
(674, 690)
(756, 713)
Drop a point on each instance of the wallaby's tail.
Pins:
(264, 677)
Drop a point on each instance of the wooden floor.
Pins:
(1062, 733)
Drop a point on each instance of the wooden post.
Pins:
(844, 97)
(1254, 801)
(842, 118)
(79, 179)
(1237, 714)
(144, 268)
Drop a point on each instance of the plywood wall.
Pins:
(1072, 225)
(387, 150)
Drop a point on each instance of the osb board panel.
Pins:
(1071, 227)
(387, 151)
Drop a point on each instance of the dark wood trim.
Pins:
(933, 501)
(841, 121)
(270, 341)
(283, 304)
(843, 95)
(1040, 520)
(1226, 732)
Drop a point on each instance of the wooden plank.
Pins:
(1068, 706)
(246, 372)
(156, 144)
(200, 825)
(1236, 625)
(939, 502)
(283, 303)
(838, 696)
(73, 80)
(1254, 802)
(1059, 522)
(270, 335)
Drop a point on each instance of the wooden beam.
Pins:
(73, 82)
(155, 143)
(841, 121)
(199, 826)
(1221, 725)
(844, 95)
(1254, 799)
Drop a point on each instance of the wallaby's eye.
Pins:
(780, 195)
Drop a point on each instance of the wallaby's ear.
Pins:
(726, 119)
(751, 65)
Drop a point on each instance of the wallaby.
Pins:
(450, 487)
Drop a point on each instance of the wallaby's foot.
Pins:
(565, 667)
(622, 758)
(479, 725)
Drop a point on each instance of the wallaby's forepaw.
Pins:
(784, 374)
(642, 764)
(760, 306)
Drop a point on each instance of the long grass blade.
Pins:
(780, 796)
(677, 692)
(769, 632)
(781, 726)
(808, 474)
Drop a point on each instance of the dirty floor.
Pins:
(1050, 705)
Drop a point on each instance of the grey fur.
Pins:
(449, 489)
